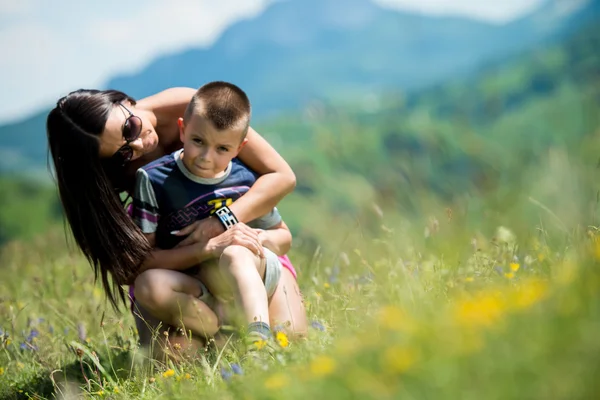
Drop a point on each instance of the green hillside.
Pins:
(475, 137)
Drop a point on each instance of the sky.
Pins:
(49, 48)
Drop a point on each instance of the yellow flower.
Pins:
(398, 358)
(168, 373)
(514, 267)
(1, 371)
(509, 275)
(469, 279)
(116, 390)
(395, 319)
(260, 344)
(277, 381)
(530, 294)
(187, 376)
(282, 339)
(326, 285)
(483, 310)
(322, 366)
(8, 342)
(100, 393)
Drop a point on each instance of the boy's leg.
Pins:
(173, 297)
(245, 285)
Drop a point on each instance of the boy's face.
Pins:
(206, 150)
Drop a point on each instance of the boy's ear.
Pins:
(242, 144)
(181, 126)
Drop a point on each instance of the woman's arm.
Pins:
(278, 239)
(276, 179)
(184, 257)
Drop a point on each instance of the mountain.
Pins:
(301, 50)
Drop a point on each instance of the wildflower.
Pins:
(226, 374)
(282, 339)
(469, 279)
(322, 366)
(116, 390)
(237, 369)
(277, 381)
(34, 333)
(398, 359)
(326, 285)
(1, 371)
(514, 266)
(1, 332)
(177, 346)
(530, 294)
(168, 373)
(394, 319)
(484, 310)
(509, 275)
(260, 344)
(317, 325)
(187, 376)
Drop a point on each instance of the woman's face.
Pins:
(111, 139)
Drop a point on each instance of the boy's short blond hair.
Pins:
(224, 104)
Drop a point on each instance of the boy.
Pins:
(201, 180)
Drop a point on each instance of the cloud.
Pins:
(51, 48)
(54, 51)
(492, 11)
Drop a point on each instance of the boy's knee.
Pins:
(233, 255)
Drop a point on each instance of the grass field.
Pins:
(466, 303)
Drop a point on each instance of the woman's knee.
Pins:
(150, 288)
(287, 309)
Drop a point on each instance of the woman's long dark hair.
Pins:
(102, 229)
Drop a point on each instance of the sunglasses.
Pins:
(131, 131)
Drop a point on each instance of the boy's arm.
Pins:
(278, 239)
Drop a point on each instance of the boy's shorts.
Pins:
(271, 280)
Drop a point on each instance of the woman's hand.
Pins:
(200, 231)
(240, 235)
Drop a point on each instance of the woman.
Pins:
(96, 150)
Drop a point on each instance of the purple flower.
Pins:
(226, 374)
(1, 332)
(237, 369)
(317, 325)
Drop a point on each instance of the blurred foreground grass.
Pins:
(472, 300)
